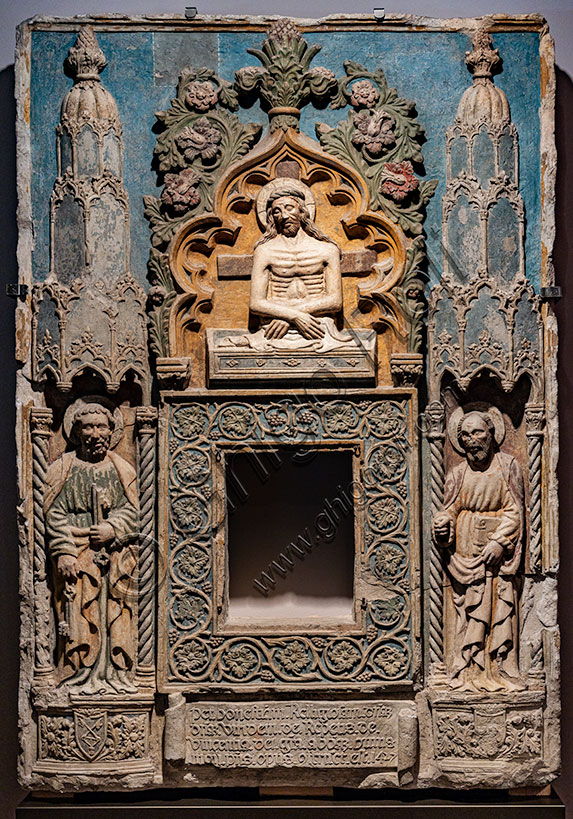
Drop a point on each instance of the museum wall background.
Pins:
(560, 18)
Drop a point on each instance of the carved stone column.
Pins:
(534, 431)
(146, 419)
(535, 422)
(435, 433)
(40, 429)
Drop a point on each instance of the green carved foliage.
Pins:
(381, 139)
(286, 79)
(162, 225)
(200, 138)
(410, 294)
(161, 296)
(200, 95)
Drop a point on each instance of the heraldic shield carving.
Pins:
(287, 404)
(91, 731)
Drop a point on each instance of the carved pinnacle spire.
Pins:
(483, 59)
(85, 60)
(483, 101)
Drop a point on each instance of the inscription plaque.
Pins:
(318, 734)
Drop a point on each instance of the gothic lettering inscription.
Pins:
(316, 734)
(294, 310)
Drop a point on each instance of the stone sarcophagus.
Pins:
(287, 403)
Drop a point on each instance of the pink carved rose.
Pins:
(364, 94)
(180, 191)
(201, 139)
(321, 71)
(374, 130)
(399, 180)
(201, 95)
(322, 81)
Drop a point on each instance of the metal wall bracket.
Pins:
(379, 15)
(550, 292)
(17, 291)
(190, 12)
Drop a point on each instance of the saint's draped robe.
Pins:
(485, 506)
(68, 510)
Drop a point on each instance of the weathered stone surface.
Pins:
(288, 252)
(487, 333)
(303, 734)
(376, 645)
(353, 361)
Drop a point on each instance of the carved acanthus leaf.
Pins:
(410, 294)
(286, 82)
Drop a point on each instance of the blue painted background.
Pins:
(142, 73)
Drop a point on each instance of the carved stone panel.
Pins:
(93, 734)
(476, 734)
(287, 422)
(302, 734)
(201, 647)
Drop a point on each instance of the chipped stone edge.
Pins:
(389, 21)
(24, 399)
(535, 773)
(548, 151)
(124, 777)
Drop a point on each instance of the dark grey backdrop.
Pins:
(559, 14)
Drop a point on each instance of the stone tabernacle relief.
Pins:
(286, 398)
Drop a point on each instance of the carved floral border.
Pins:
(380, 649)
